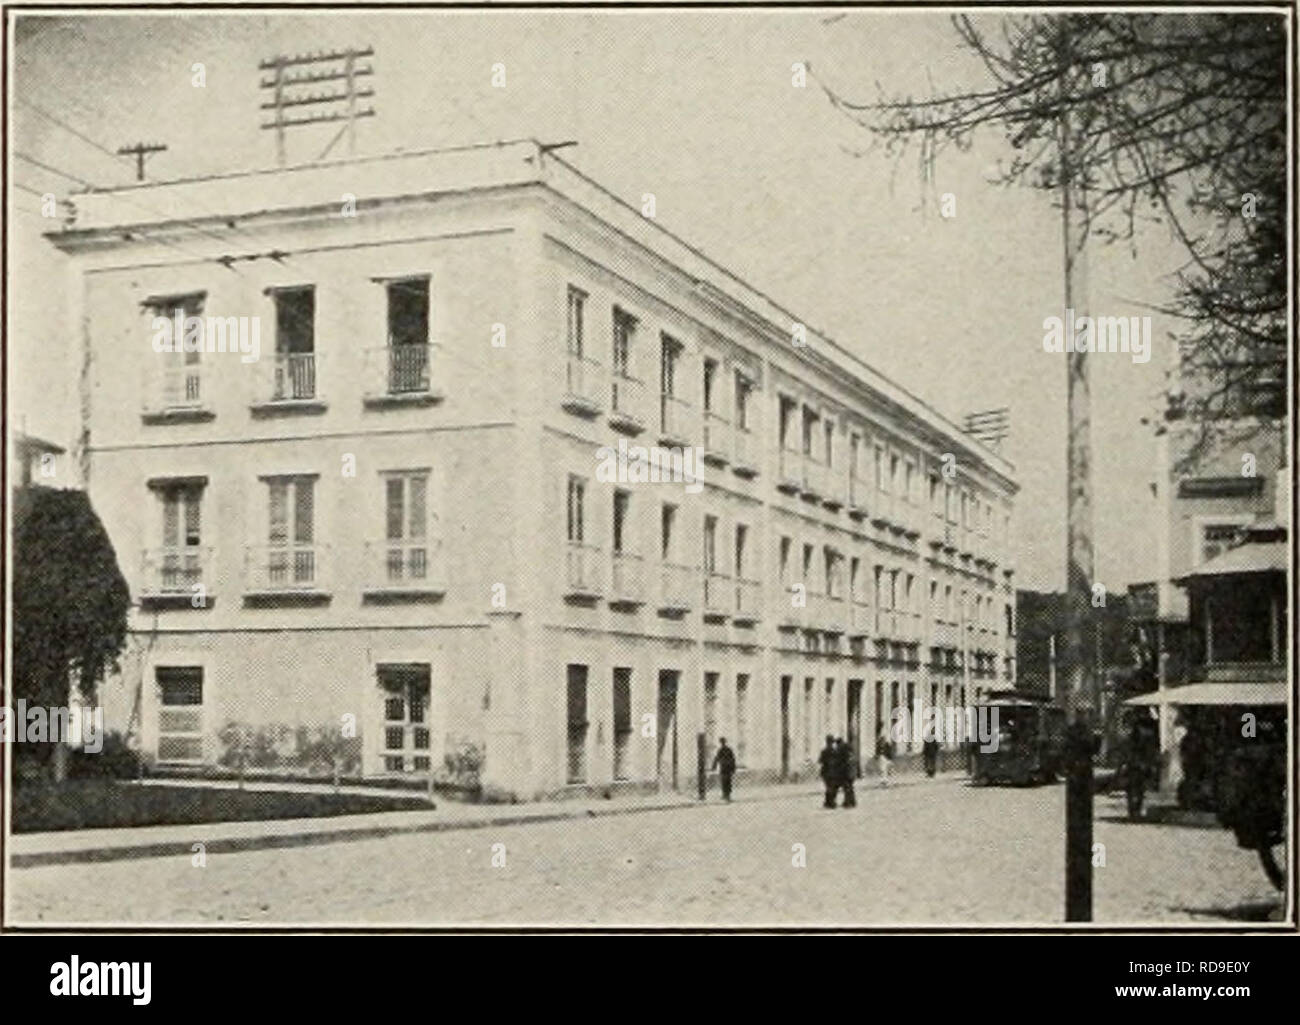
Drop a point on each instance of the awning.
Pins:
(1255, 557)
(1270, 692)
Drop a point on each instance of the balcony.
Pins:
(789, 472)
(583, 387)
(882, 512)
(676, 586)
(627, 589)
(745, 461)
(813, 486)
(582, 582)
(833, 615)
(860, 619)
(790, 615)
(404, 571)
(749, 601)
(674, 421)
(627, 404)
(178, 396)
(909, 519)
(178, 576)
(399, 375)
(834, 489)
(288, 572)
(288, 385)
(859, 492)
(717, 439)
(719, 596)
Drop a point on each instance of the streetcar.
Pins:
(1026, 740)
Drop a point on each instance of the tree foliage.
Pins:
(1180, 118)
(70, 601)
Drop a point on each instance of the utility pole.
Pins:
(141, 150)
(1080, 695)
(286, 89)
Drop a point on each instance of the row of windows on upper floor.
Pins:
(401, 371)
(895, 589)
(808, 437)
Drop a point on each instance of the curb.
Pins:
(348, 834)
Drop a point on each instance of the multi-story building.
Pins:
(1212, 491)
(400, 520)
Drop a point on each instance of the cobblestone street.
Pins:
(934, 852)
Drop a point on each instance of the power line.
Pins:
(68, 128)
(55, 170)
(103, 149)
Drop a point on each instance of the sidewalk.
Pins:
(30, 850)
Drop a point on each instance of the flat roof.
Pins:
(213, 204)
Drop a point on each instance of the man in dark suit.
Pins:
(826, 761)
(844, 771)
(725, 762)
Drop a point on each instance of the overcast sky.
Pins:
(698, 108)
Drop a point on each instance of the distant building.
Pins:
(1222, 515)
(37, 461)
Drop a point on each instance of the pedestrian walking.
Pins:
(884, 755)
(844, 772)
(930, 755)
(725, 762)
(826, 763)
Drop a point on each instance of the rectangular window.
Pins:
(882, 479)
(181, 385)
(809, 435)
(742, 718)
(622, 720)
(670, 357)
(408, 335)
(783, 553)
(408, 311)
(710, 715)
(291, 531)
(809, 727)
(743, 390)
(710, 381)
(710, 545)
(1217, 538)
(829, 447)
(624, 331)
(180, 713)
(577, 307)
(295, 319)
(405, 689)
(742, 544)
(406, 525)
(577, 723)
(668, 532)
(808, 550)
(576, 497)
(786, 423)
(828, 704)
(622, 506)
(180, 562)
